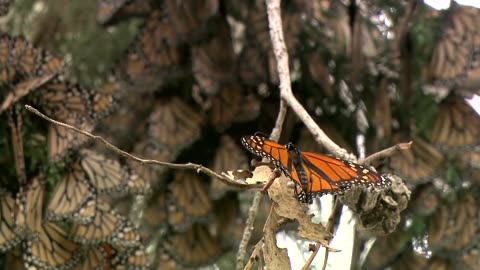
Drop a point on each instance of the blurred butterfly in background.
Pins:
(174, 116)
(457, 125)
(8, 236)
(75, 195)
(96, 258)
(194, 247)
(107, 226)
(229, 221)
(315, 174)
(455, 62)
(130, 258)
(73, 105)
(187, 201)
(113, 11)
(24, 68)
(155, 214)
(147, 148)
(419, 164)
(45, 245)
(229, 156)
(232, 105)
(153, 57)
(213, 60)
(190, 26)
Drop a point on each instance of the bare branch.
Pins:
(186, 166)
(252, 212)
(277, 129)
(281, 55)
(386, 152)
(247, 232)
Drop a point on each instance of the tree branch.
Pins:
(386, 152)
(281, 55)
(186, 166)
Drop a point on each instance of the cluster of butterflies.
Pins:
(183, 205)
(74, 227)
(108, 239)
(455, 62)
(447, 158)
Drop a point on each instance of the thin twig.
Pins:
(186, 166)
(252, 212)
(256, 253)
(247, 232)
(386, 152)
(336, 211)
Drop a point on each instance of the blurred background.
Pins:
(182, 80)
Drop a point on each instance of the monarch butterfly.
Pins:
(316, 174)
(93, 174)
(130, 120)
(18, 58)
(60, 98)
(73, 198)
(96, 258)
(174, 116)
(131, 258)
(230, 105)
(319, 73)
(47, 247)
(15, 122)
(8, 236)
(229, 156)
(214, 59)
(254, 68)
(419, 164)
(153, 57)
(107, 226)
(137, 74)
(453, 226)
(457, 125)
(74, 105)
(22, 89)
(28, 212)
(229, 222)
(165, 261)
(108, 176)
(112, 11)
(151, 150)
(155, 214)
(190, 18)
(188, 201)
(194, 247)
(24, 68)
(453, 55)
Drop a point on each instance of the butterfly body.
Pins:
(316, 174)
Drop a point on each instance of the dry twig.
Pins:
(386, 152)
(186, 166)
(252, 212)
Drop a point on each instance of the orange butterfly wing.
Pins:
(332, 173)
(274, 152)
(316, 174)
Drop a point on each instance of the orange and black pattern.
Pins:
(315, 174)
